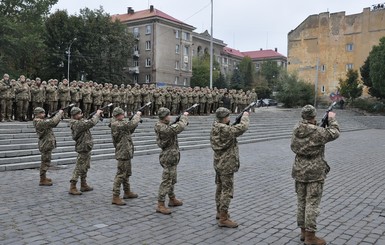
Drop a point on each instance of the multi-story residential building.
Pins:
(335, 43)
(201, 45)
(162, 53)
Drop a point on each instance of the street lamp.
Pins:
(211, 47)
(69, 58)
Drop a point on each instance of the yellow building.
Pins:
(335, 43)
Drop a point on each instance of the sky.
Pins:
(245, 25)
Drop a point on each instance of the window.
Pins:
(148, 29)
(323, 89)
(349, 67)
(177, 34)
(136, 47)
(148, 78)
(176, 80)
(136, 62)
(136, 32)
(323, 68)
(219, 59)
(148, 45)
(185, 66)
(148, 62)
(186, 36)
(185, 81)
(177, 65)
(186, 50)
(136, 78)
(177, 49)
(225, 61)
(349, 47)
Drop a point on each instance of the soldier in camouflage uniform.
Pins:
(121, 131)
(115, 96)
(167, 140)
(223, 140)
(137, 97)
(123, 97)
(80, 129)
(310, 169)
(47, 140)
(6, 99)
(202, 102)
(38, 94)
(130, 100)
(75, 93)
(97, 96)
(51, 96)
(22, 92)
(87, 98)
(107, 98)
(64, 95)
(175, 102)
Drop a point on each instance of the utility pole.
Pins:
(69, 58)
(211, 46)
(316, 83)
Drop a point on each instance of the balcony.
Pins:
(136, 36)
(133, 70)
(136, 54)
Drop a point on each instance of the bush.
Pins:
(294, 92)
(369, 105)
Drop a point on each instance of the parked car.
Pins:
(266, 102)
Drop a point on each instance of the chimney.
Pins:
(151, 8)
(276, 49)
(260, 49)
(130, 10)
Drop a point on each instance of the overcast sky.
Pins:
(244, 24)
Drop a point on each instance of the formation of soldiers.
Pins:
(19, 97)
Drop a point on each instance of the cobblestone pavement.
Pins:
(353, 207)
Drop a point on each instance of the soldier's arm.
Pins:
(240, 128)
(87, 124)
(132, 124)
(330, 133)
(53, 122)
(178, 127)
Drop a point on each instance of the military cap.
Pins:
(117, 111)
(308, 112)
(163, 112)
(38, 110)
(75, 110)
(222, 112)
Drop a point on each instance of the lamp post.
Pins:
(69, 58)
(211, 47)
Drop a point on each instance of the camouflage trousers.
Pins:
(87, 109)
(22, 108)
(36, 104)
(309, 198)
(82, 165)
(6, 109)
(167, 184)
(121, 177)
(45, 162)
(52, 106)
(224, 192)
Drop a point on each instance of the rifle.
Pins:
(325, 118)
(103, 108)
(239, 117)
(141, 109)
(65, 108)
(187, 110)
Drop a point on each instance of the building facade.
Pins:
(333, 43)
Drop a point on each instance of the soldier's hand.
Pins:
(139, 113)
(185, 113)
(245, 113)
(331, 114)
(61, 111)
(99, 112)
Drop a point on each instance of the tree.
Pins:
(377, 70)
(220, 82)
(247, 72)
(293, 91)
(236, 80)
(201, 71)
(270, 72)
(350, 88)
(367, 81)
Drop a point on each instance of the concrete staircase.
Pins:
(18, 141)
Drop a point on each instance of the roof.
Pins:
(263, 54)
(232, 51)
(145, 14)
(206, 36)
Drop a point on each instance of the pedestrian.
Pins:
(6, 91)
(167, 140)
(47, 140)
(121, 131)
(223, 140)
(310, 169)
(80, 129)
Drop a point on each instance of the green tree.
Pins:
(247, 72)
(367, 81)
(350, 88)
(270, 72)
(220, 82)
(377, 70)
(293, 91)
(236, 80)
(201, 71)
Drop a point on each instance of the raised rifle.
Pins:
(141, 109)
(103, 108)
(239, 117)
(325, 119)
(65, 108)
(190, 109)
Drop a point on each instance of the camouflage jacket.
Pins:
(51, 93)
(106, 93)
(47, 140)
(308, 143)
(87, 95)
(64, 93)
(121, 137)
(22, 91)
(75, 94)
(224, 143)
(97, 96)
(38, 94)
(167, 140)
(5, 89)
(115, 95)
(81, 133)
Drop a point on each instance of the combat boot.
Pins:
(228, 216)
(224, 221)
(162, 209)
(45, 181)
(117, 201)
(174, 202)
(311, 239)
(73, 189)
(129, 195)
(84, 186)
(303, 232)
